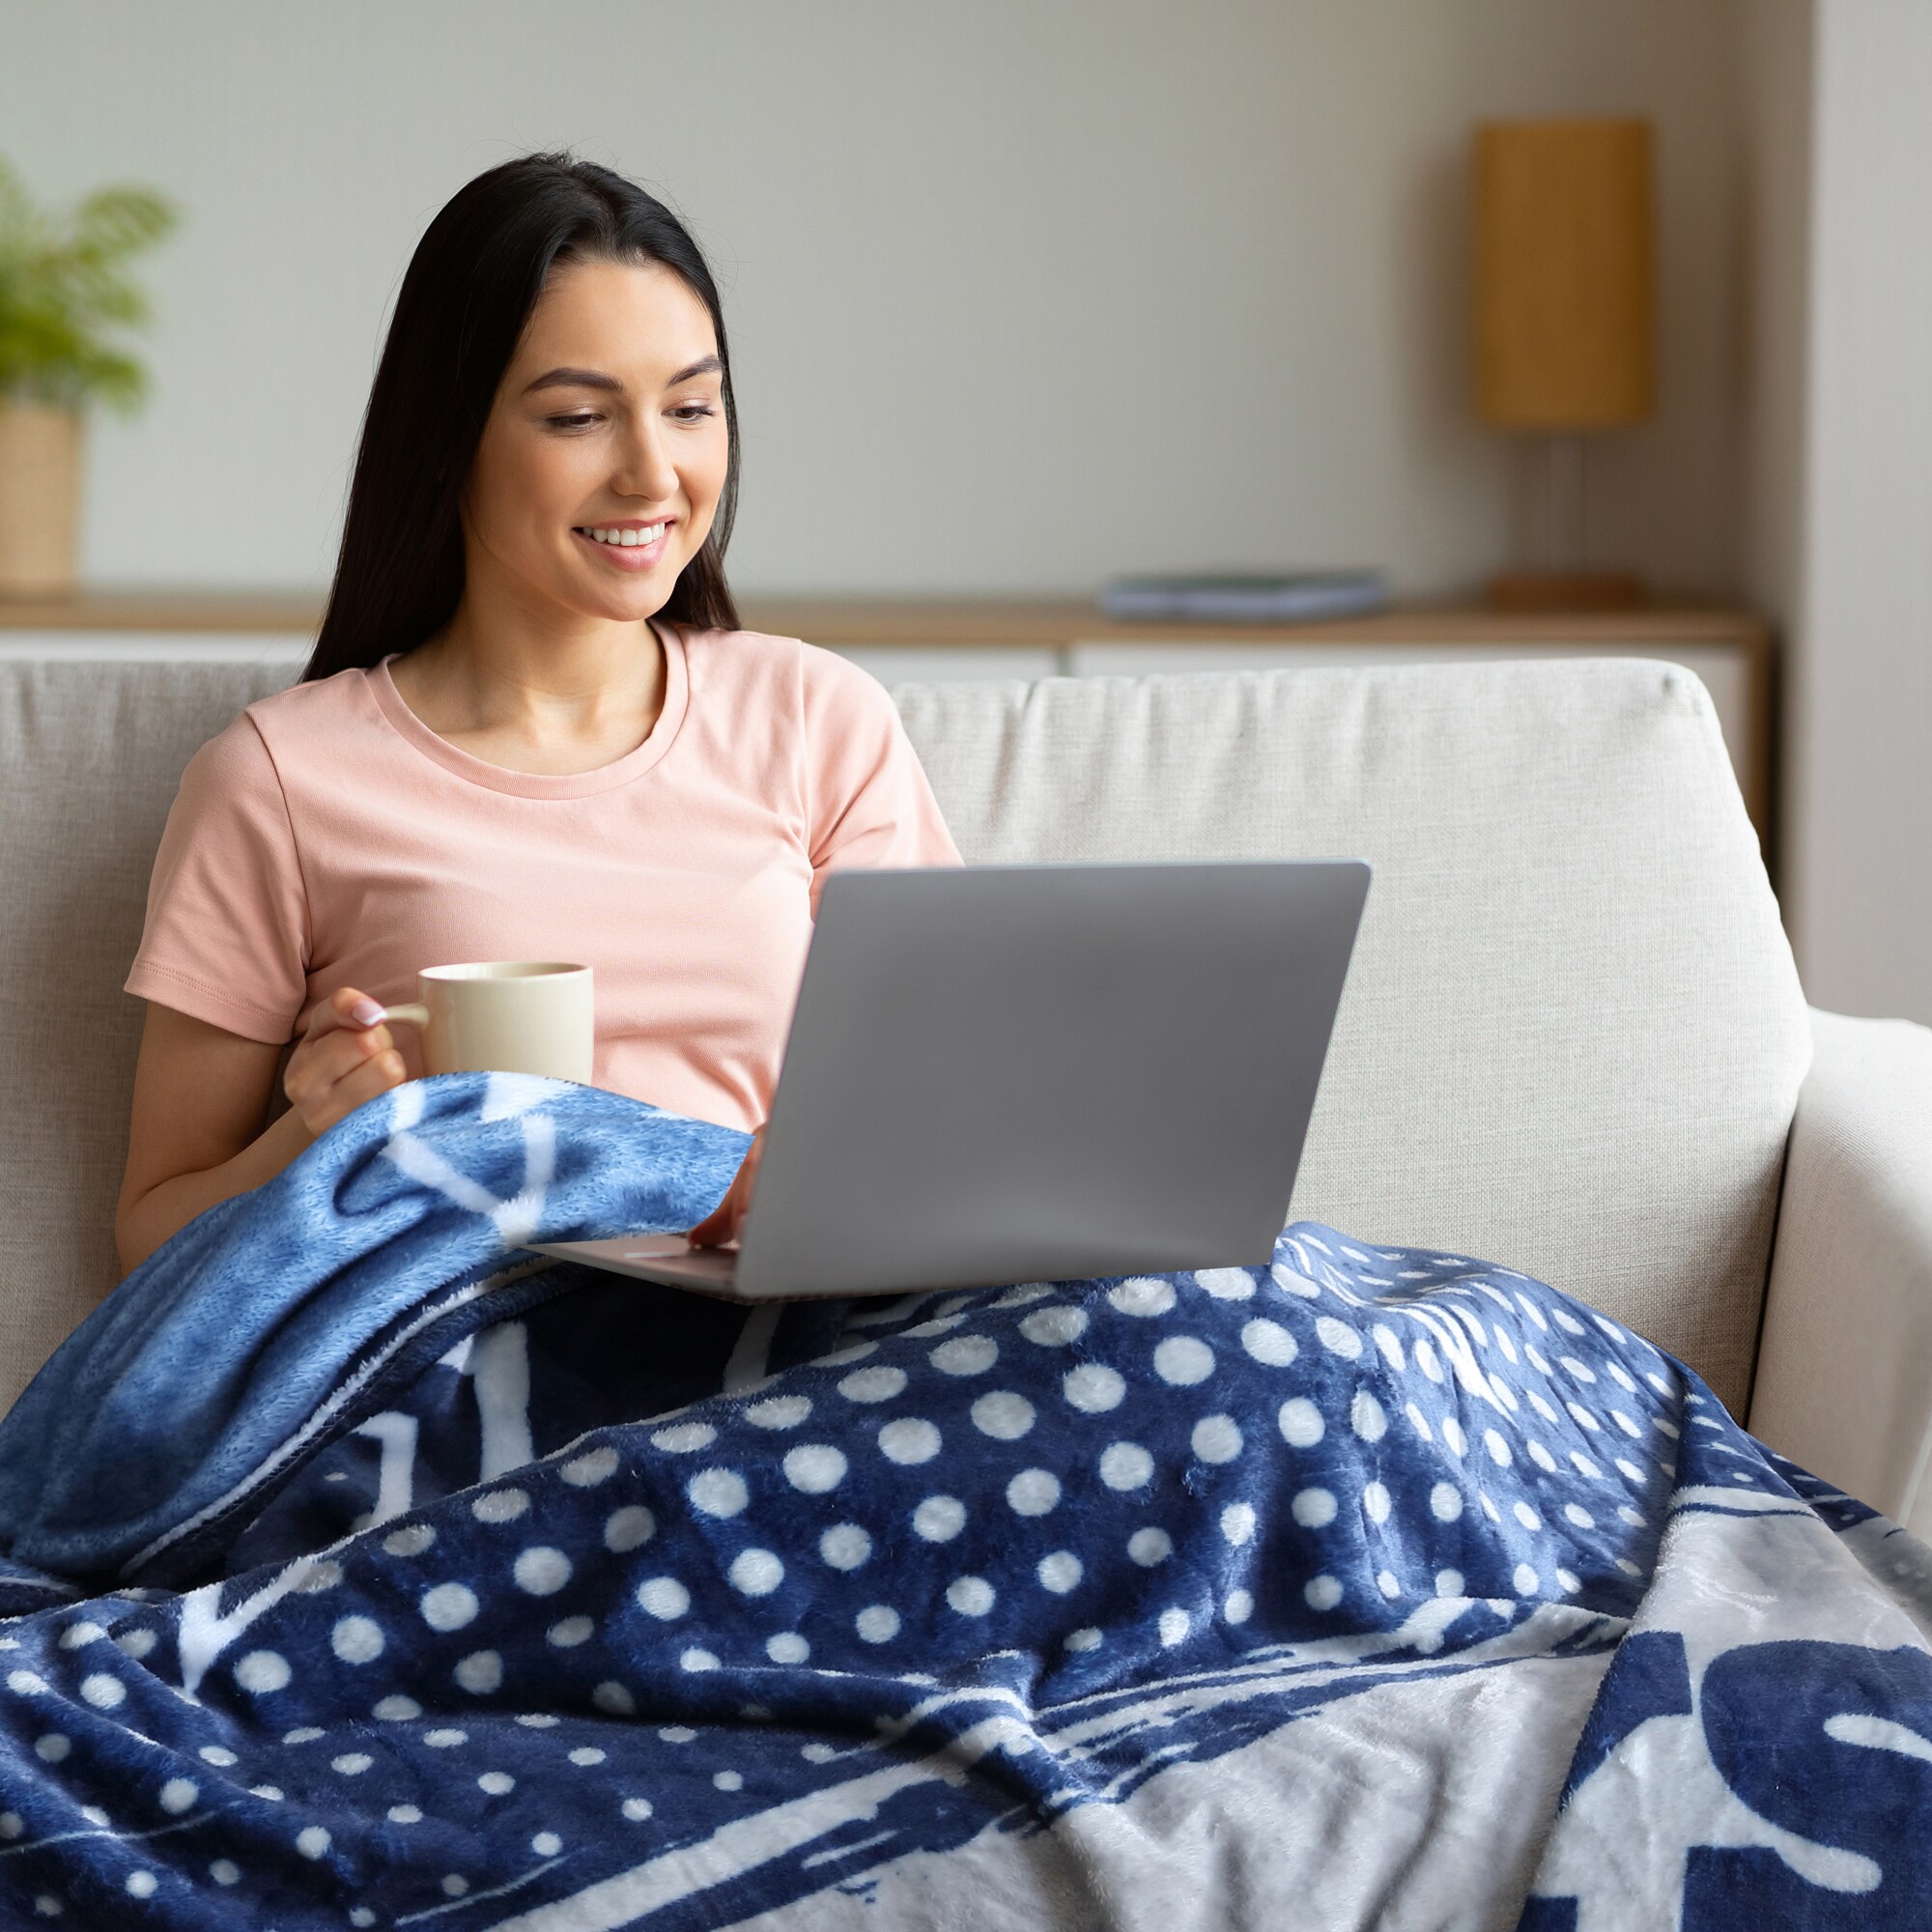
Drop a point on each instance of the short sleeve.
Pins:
(227, 937)
(870, 802)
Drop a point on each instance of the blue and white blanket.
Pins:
(362, 1571)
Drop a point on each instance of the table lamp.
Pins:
(1563, 324)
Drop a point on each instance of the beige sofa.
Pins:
(1573, 1039)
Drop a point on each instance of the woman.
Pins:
(531, 725)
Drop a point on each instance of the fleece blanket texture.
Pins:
(357, 1569)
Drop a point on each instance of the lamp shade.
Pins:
(1562, 233)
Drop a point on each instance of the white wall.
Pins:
(1858, 832)
(1778, 67)
(1021, 295)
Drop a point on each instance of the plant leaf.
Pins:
(116, 222)
(62, 287)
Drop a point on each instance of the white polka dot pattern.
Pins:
(966, 1512)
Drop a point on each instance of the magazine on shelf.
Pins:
(1237, 598)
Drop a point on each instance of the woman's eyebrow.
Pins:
(574, 378)
(594, 379)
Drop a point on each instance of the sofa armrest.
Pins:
(1844, 1374)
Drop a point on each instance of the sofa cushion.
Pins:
(89, 753)
(1571, 1037)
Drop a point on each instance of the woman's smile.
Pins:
(629, 544)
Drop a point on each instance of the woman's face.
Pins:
(599, 469)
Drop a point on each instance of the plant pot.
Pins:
(40, 500)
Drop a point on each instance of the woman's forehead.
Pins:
(639, 322)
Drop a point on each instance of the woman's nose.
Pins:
(647, 471)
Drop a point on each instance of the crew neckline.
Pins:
(544, 785)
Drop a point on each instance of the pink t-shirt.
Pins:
(329, 838)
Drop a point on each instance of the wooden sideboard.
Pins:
(902, 638)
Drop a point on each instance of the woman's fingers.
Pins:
(375, 1078)
(346, 1007)
(319, 1063)
(720, 1225)
(723, 1222)
(342, 1060)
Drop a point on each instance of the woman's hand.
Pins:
(346, 1057)
(721, 1225)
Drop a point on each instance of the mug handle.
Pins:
(411, 1015)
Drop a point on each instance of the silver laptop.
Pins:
(1003, 1073)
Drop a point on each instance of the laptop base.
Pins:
(671, 1260)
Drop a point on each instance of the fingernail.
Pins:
(366, 1012)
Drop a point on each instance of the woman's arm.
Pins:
(201, 1095)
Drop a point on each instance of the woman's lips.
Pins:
(638, 557)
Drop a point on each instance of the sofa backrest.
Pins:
(1572, 1036)
(89, 755)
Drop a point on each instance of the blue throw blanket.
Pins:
(359, 1570)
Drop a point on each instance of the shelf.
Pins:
(1057, 623)
(207, 610)
(996, 622)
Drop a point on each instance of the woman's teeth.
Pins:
(624, 539)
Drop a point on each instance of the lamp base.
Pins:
(1567, 590)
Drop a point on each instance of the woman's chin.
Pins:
(629, 600)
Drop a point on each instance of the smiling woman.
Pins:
(531, 726)
(591, 492)
(476, 325)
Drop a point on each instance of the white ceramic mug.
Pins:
(504, 1015)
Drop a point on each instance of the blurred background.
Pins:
(1024, 298)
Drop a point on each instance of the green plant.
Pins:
(62, 290)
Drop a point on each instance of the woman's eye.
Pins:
(571, 422)
(693, 412)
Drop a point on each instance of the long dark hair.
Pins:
(475, 277)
